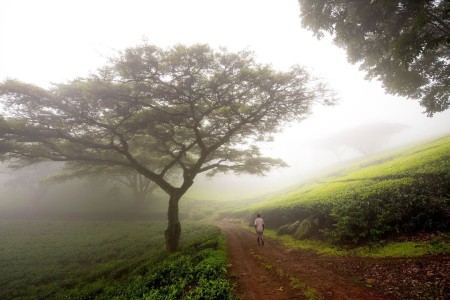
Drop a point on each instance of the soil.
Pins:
(272, 271)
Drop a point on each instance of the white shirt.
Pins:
(259, 222)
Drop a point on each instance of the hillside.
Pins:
(401, 192)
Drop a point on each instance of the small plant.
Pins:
(280, 273)
(308, 292)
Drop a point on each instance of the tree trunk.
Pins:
(139, 201)
(173, 231)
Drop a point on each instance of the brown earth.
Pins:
(272, 272)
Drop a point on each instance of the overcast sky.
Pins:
(45, 41)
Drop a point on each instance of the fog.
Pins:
(310, 155)
(54, 41)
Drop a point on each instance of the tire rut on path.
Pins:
(265, 272)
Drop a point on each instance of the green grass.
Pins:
(316, 246)
(308, 292)
(405, 249)
(402, 164)
(439, 245)
(106, 260)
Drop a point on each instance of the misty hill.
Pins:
(404, 192)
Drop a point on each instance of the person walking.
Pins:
(259, 227)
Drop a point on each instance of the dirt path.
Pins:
(275, 272)
(266, 272)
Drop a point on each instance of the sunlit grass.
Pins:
(316, 246)
(379, 250)
(399, 164)
(405, 249)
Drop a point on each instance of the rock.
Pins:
(304, 230)
(288, 228)
(283, 229)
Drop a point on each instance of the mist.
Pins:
(34, 192)
(82, 47)
(311, 150)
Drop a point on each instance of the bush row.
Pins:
(196, 272)
(109, 260)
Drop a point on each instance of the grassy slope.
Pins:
(394, 192)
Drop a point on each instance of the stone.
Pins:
(304, 230)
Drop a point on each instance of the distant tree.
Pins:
(33, 179)
(195, 109)
(403, 43)
(141, 187)
(365, 139)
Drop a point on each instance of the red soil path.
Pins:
(266, 272)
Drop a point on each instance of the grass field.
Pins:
(108, 260)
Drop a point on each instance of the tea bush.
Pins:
(109, 260)
(196, 272)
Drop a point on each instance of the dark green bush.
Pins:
(392, 207)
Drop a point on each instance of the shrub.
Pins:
(394, 206)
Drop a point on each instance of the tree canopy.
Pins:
(403, 43)
(190, 108)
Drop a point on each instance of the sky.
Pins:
(53, 41)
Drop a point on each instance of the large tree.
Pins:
(403, 43)
(196, 109)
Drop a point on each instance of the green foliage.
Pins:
(402, 192)
(196, 272)
(109, 260)
(402, 43)
(190, 109)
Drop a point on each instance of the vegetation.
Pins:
(109, 260)
(308, 293)
(190, 109)
(436, 245)
(403, 43)
(397, 193)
